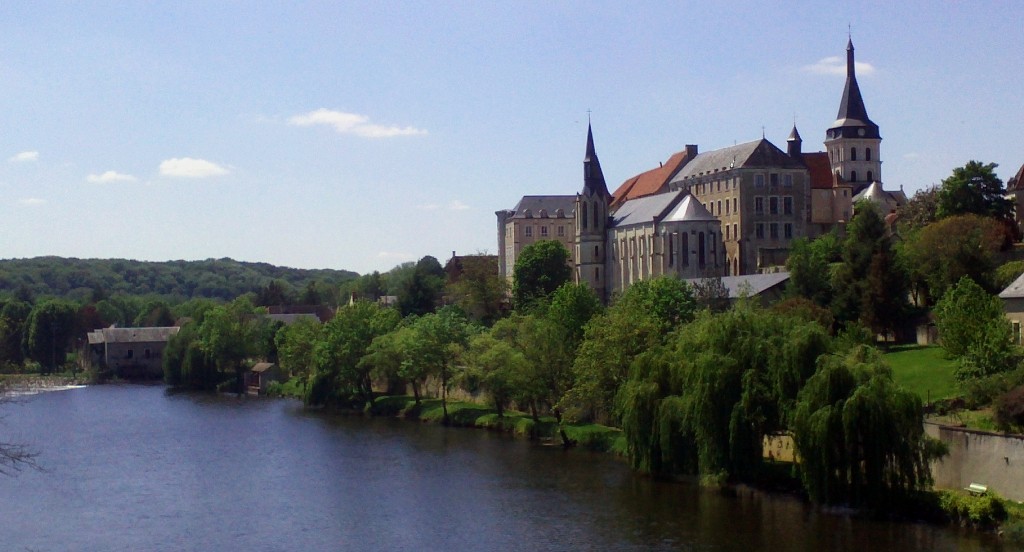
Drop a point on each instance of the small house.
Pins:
(260, 376)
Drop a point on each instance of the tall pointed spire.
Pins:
(852, 119)
(593, 177)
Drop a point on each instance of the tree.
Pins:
(500, 368)
(921, 210)
(572, 307)
(295, 344)
(939, 261)
(974, 330)
(542, 267)
(436, 341)
(974, 189)
(230, 334)
(13, 317)
(275, 293)
(422, 291)
(48, 332)
(809, 265)
(477, 288)
(1007, 273)
(859, 435)
(155, 313)
(339, 378)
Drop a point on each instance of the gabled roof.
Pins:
(646, 209)
(1016, 183)
(132, 335)
(650, 182)
(756, 154)
(751, 284)
(547, 203)
(1014, 290)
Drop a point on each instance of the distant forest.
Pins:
(93, 279)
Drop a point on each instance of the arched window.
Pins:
(685, 246)
(867, 154)
(596, 215)
(853, 176)
(853, 154)
(584, 217)
(871, 177)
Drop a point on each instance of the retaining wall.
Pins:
(990, 459)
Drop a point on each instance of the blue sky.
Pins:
(360, 135)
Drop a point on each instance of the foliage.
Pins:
(477, 288)
(920, 211)
(985, 511)
(572, 307)
(869, 286)
(13, 315)
(804, 309)
(974, 189)
(295, 344)
(938, 261)
(973, 329)
(436, 341)
(1007, 273)
(230, 334)
(809, 265)
(859, 436)
(421, 292)
(1009, 410)
(339, 378)
(94, 279)
(500, 368)
(48, 332)
(711, 294)
(542, 267)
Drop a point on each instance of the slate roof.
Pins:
(1014, 290)
(759, 153)
(645, 209)
(688, 210)
(879, 196)
(852, 112)
(548, 203)
(132, 335)
(753, 284)
(650, 182)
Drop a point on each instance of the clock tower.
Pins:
(853, 141)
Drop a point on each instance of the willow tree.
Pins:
(859, 435)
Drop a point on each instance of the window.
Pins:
(129, 354)
(773, 231)
(700, 249)
(853, 154)
(871, 177)
(867, 154)
(787, 180)
(597, 274)
(543, 231)
(685, 248)
(736, 231)
(787, 231)
(853, 176)
(773, 205)
(584, 217)
(759, 181)
(597, 252)
(147, 354)
(774, 180)
(1016, 332)
(720, 207)
(759, 205)
(727, 207)
(597, 213)
(759, 230)
(529, 231)
(561, 231)
(787, 205)
(727, 232)
(671, 249)
(734, 209)
(718, 185)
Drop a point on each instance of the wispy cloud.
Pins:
(187, 167)
(24, 157)
(457, 205)
(110, 176)
(353, 123)
(835, 65)
(31, 201)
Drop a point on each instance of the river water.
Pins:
(135, 468)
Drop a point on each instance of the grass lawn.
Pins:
(923, 370)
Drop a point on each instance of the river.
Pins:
(136, 468)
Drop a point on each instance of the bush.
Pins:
(984, 512)
(1009, 409)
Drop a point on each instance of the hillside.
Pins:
(213, 278)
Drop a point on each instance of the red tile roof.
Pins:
(651, 182)
(820, 169)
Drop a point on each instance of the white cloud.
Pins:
(110, 176)
(31, 201)
(352, 123)
(835, 65)
(25, 157)
(457, 205)
(188, 167)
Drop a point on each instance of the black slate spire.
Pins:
(593, 178)
(852, 119)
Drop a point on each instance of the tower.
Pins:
(853, 141)
(591, 223)
(794, 144)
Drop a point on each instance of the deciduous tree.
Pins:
(542, 267)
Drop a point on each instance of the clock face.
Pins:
(860, 131)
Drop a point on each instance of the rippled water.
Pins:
(135, 468)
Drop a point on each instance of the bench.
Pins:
(976, 489)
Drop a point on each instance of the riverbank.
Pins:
(21, 384)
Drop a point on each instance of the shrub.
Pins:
(1009, 409)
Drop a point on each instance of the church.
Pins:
(726, 212)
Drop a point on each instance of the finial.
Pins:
(762, 132)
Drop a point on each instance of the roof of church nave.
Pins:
(649, 182)
(677, 205)
(758, 153)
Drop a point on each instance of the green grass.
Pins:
(924, 370)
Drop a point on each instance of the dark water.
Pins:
(133, 468)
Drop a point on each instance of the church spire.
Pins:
(852, 119)
(593, 178)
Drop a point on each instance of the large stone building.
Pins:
(725, 212)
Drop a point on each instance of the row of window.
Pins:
(773, 205)
(773, 180)
(544, 232)
(773, 230)
(853, 154)
(728, 209)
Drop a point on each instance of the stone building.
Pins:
(131, 352)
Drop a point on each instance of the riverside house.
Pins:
(131, 353)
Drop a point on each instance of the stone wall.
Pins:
(990, 459)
